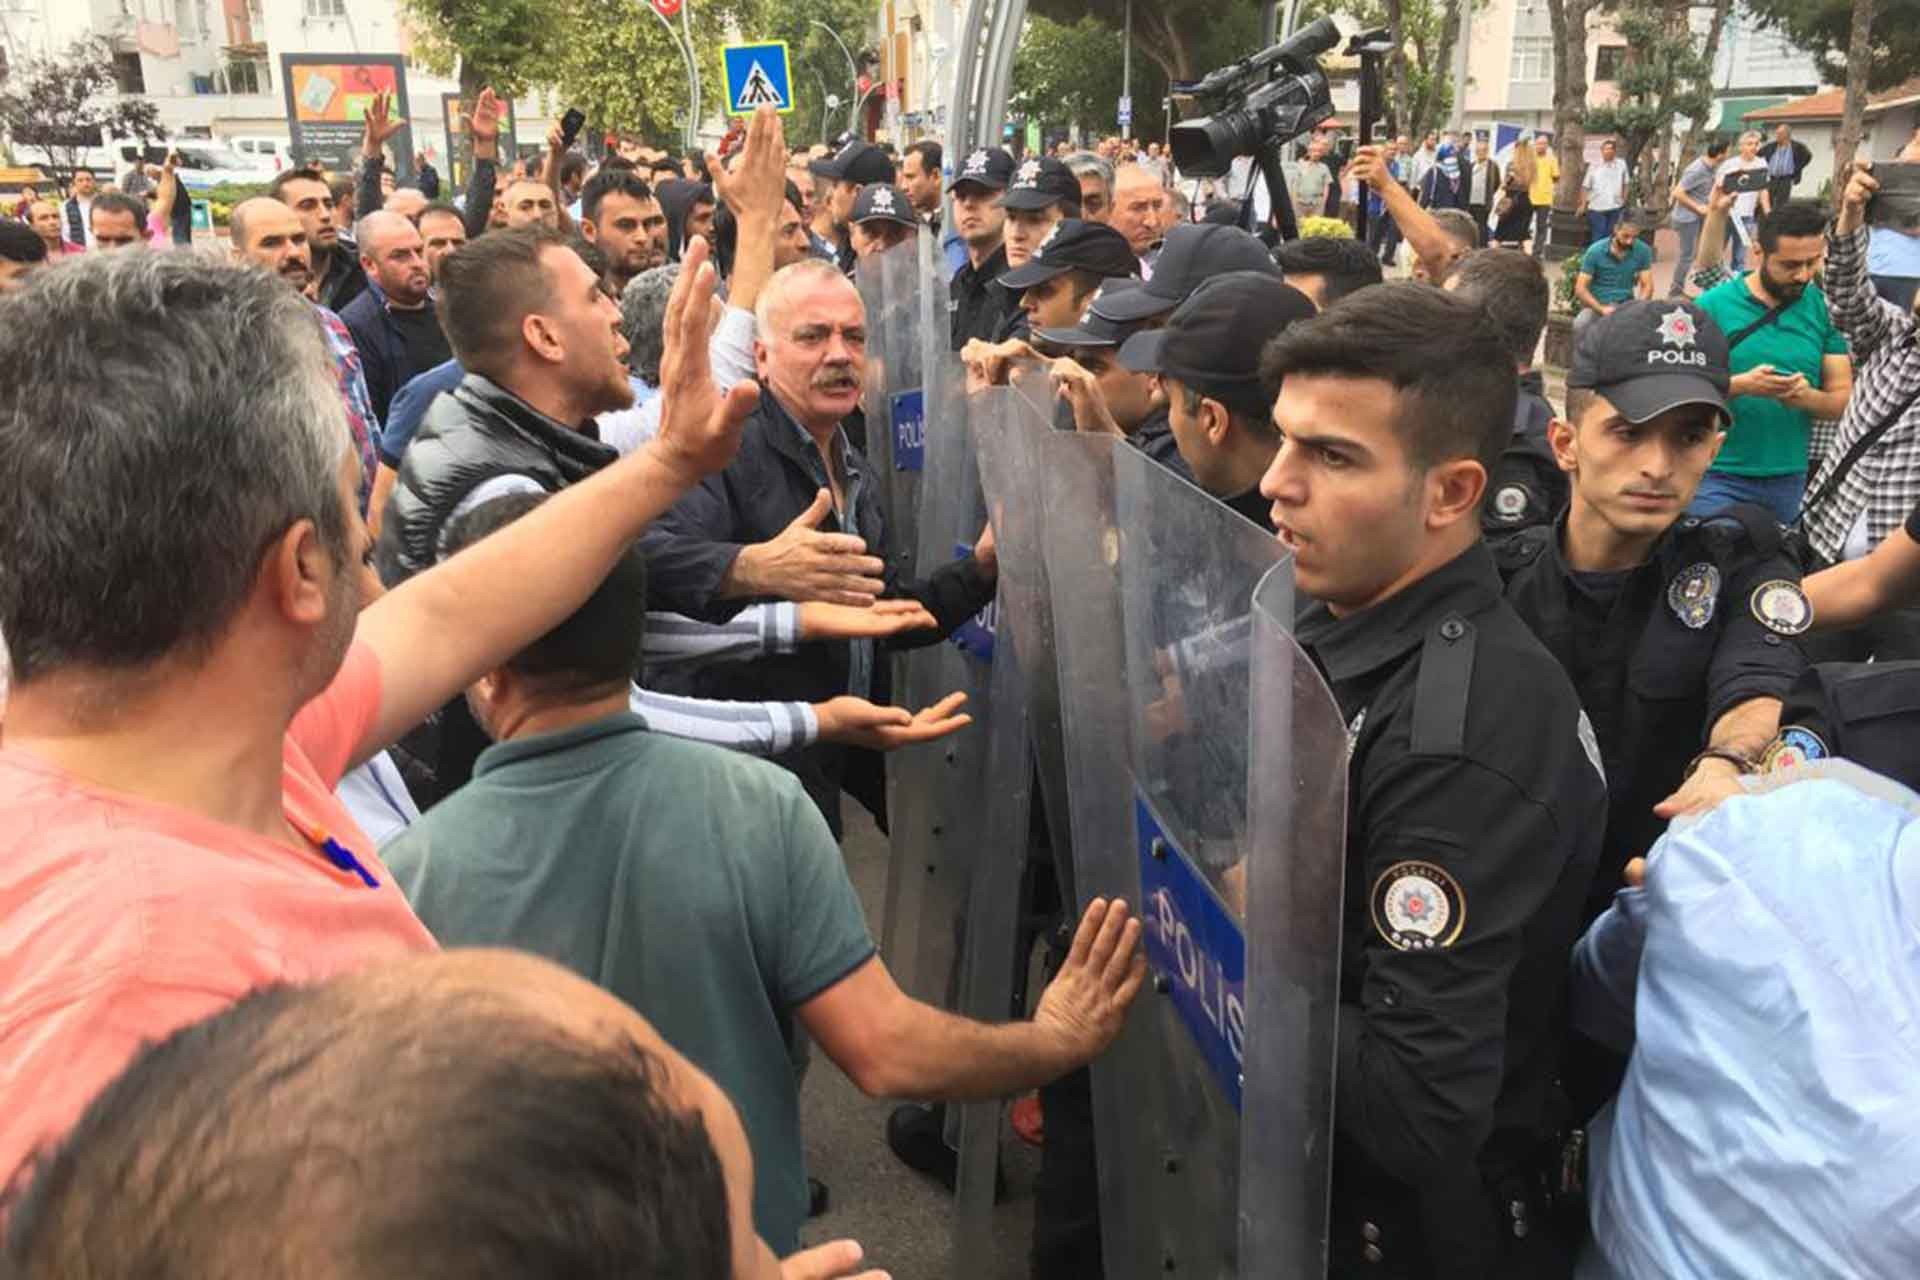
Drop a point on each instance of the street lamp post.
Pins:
(853, 117)
(693, 72)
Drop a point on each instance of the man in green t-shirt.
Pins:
(1612, 271)
(1790, 366)
(704, 889)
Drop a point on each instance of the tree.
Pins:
(61, 106)
(1070, 74)
(1185, 39)
(1716, 27)
(1661, 77)
(819, 66)
(1568, 19)
(505, 44)
(1889, 50)
(1859, 69)
(618, 64)
(1425, 34)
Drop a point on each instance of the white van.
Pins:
(267, 153)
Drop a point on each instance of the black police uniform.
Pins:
(1528, 487)
(1866, 712)
(976, 304)
(1474, 816)
(1658, 653)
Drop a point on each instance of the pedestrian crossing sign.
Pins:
(758, 75)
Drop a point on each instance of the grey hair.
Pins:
(370, 225)
(643, 318)
(1082, 163)
(164, 417)
(1755, 134)
(784, 281)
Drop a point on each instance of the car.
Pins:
(205, 163)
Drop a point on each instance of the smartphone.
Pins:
(1746, 180)
(1897, 203)
(570, 125)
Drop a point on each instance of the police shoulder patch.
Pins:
(1510, 502)
(1693, 593)
(1795, 745)
(1418, 906)
(1782, 607)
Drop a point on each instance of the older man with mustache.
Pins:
(797, 515)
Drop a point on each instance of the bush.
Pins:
(1333, 228)
(1563, 291)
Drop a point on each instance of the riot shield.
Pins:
(894, 402)
(937, 797)
(1207, 764)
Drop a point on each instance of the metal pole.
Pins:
(1293, 20)
(1269, 21)
(853, 73)
(1126, 71)
(1462, 49)
(693, 71)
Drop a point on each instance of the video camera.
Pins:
(1259, 104)
(1268, 99)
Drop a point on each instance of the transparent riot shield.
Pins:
(894, 402)
(937, 797)
(1207, 768)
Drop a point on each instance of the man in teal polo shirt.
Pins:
(1790, 366)
(1612, 271)
(704, 889)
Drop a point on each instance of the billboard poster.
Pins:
(453, 116)
(327, 99)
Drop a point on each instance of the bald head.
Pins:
(395, 257)
(407, 202)
(459, 1114)
(1138, 202)
(268, 234)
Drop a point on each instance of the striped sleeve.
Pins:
(756, 728)
(675, 640)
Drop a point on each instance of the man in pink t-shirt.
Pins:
(180, 554)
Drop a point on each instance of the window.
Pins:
(1607, 63)
(1532, 59)
(326, 8)
(127, 74)
(247, 77)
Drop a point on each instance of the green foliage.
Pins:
(1429, 49)
(1330, 228)
(508, 44)
(1070, 75)
(619, 65)
(819, 66)
(1563, 288)
(1822, 27)
(1662, 76)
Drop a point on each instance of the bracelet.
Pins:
(1741, 763)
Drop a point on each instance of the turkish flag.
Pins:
(666, 8)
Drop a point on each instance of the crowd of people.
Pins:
(443, 637)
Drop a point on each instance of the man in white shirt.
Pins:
(1749, 206)
(1603, 193)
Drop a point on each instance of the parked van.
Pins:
(267, 153)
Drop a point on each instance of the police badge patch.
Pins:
(1418, 906)
(1781, 607)
(1794, 746)
(1693, 595)
(1510, 503)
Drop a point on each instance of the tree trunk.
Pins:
(1569, 22)
(1401, 112)
(1440, 70)
(1708, 52)
(1859, 60)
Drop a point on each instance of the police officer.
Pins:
(1044, 193)
(1475, 799)
(1096, 392)
(1054, 284)
(975, 307)
(1207, 359)
(1528, 487)
(856, 165)
(1678, 633)
(882, 219)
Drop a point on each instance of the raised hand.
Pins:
(699, 425)
(381, 124)
(883, 618)
(483, 125)
(756, 186)
(857, 722)
(802, 563)
(1087, 1001)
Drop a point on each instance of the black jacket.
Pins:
(472, 435)
(345, 279)
(771, 481)
(975, 302)
(1802, 157)
(1528, 487)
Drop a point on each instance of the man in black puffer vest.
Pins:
(542, 346)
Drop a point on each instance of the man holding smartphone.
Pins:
(1746, 176)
